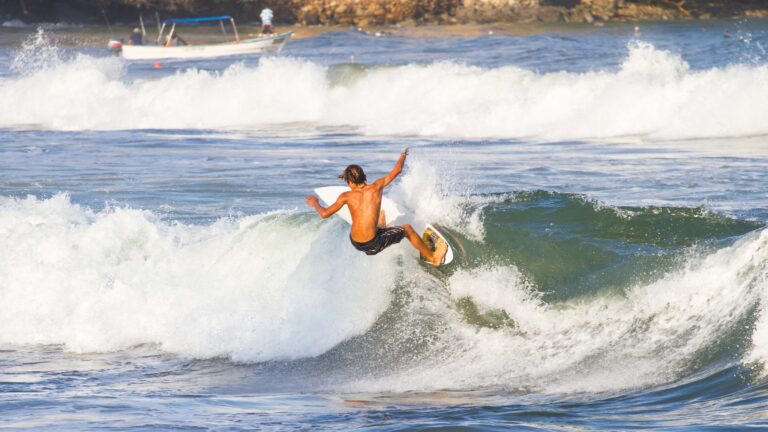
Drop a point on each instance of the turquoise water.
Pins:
(604, 190)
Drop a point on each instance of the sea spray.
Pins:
(430, 194)
(38, 52)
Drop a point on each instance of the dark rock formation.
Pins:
(383, 12)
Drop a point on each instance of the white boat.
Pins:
(265, 43)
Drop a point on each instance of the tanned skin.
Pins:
(364, 202)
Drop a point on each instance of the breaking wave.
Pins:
(654, 94)
(607, 302)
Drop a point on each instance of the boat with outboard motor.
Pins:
(167, 48)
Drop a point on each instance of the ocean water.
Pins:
(604, 188)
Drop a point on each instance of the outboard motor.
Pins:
(115, 46)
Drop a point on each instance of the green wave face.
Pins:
(570, 246)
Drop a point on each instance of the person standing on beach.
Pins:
(369, 233)
(266, 21)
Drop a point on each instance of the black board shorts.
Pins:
(385, 237)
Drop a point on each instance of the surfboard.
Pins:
(329, 194)
(430, 236)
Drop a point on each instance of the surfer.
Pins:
(369, 234)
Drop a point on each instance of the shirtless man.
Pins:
(369, 233)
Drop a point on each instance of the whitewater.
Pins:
(653, 94)
(604, 190)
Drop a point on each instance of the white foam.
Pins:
(278, 285)
(603, 343)
(429, 196)
(14, 23)
(257, 288)
(758, 354)
(653, 95)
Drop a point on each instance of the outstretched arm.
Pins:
(384, 181)
(330, 210)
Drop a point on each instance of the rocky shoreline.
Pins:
(364, 13)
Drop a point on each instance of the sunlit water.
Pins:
(604, 190)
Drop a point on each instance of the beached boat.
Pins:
(235, 47)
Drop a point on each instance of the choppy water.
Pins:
(606, 191)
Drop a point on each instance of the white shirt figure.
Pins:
(266, 17)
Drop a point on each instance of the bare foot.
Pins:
(441, 248)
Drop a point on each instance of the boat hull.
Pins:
(244, 47)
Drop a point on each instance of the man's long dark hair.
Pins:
(354, 174)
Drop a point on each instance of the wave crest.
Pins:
(252, 289)
(653, 95)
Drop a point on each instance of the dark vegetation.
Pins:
(382, 12)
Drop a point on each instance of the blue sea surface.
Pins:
(603, 189)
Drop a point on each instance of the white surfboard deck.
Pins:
(329, 194)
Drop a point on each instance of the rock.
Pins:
(551, 14)
(580, 14)
(756, 13)
(389, 12)
(603, 9)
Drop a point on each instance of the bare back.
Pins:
(365, 205)
(363, 201)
